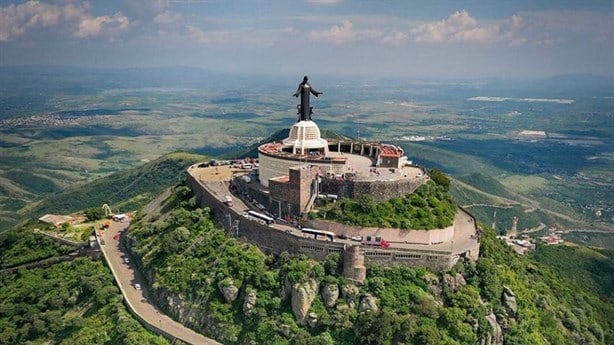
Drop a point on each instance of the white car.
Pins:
(126, 260)
(356, 238)
(137, 286)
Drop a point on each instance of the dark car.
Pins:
(343, 236)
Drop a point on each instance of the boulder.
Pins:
(368, 304)
(285, 289)
(303, 295)
(350, 294)
(312, 320)
(249, 302)
(495, 335)
(509, 302)
(432, 283)
(228, 290)
(453, 283)
(330, 294)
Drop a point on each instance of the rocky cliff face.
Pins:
(303, 295)
(228, 290)
(453, 282)
(350, 294)
(368, 304)
(509, 302)
(249, 302)
(330, 294)
(495, 336)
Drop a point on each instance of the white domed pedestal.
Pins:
(305, 138)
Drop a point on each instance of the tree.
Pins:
(440, 178)
(376, 328)
(94, 213)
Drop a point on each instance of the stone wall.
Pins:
(275, 241)
(389, 234)
(436, 261)
(269, 240)
(379, 190)
(271, 166)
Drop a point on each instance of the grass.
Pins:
(525, 183)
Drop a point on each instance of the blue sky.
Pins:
(404, 38)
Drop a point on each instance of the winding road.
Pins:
(126, 276)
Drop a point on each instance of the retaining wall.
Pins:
(379, 190)
(275, 241)
(389, 234)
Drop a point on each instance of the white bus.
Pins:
(329, 235)
(268, 220)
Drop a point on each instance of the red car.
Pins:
(375, 241)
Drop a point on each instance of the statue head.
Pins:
(305, 79)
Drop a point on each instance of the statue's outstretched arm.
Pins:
(298, 91)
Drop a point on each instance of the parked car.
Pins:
(356, 238)
(343, 236)
(137, 286)
(126, 260)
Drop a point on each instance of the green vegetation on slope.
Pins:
(139, 184)
(21, 246)
(68, 303)
(429, 207)
(552, 309)
(188, 256)
(587, 268)
(486, 184)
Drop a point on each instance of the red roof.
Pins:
(390, 151)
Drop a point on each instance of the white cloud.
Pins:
(458, 27)
(17, 20)
(337, 34)
(394, 37)
(94, 26)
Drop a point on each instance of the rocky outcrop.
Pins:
(330, 294)
(303, 295)
(174, 302)
(432, 283)
(368, 304)
(285, 289)
(312, 320)
(453, 283)
(495, 336)
(509, 302)
(228, 290)
(249, 302)
(350, 294)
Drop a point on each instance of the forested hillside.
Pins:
(69, 303)
(232, 292)
(127, 190)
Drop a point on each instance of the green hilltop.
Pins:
(185, 254)
(563, 295)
